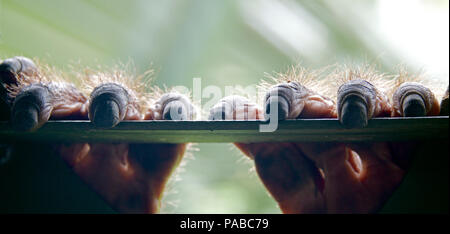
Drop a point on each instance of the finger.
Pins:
(285, 98)
(35, 104)
(108, 105)
(281, 104)
(235, 107)
(412, 99)
(12, 71)
(176, 107)
(32, 107)
(224, 109)
(294, 100)
(358, 101)
(171, 106)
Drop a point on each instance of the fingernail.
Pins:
(106, 114)
(280, 103)
(31, 108)
(175, 110)
(108, 105)
(353, 113)
(413, 106)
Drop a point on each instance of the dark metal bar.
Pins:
(302, 130)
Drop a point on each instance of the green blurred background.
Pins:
(226, 42)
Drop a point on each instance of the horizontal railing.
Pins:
(302, 130)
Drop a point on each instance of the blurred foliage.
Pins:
(223, 42)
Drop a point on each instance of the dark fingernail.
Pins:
(108, 105)
(280, 103)
(356, 101)
(175, 110)
(414, 106)
(106, 114)
(30, 108)
(413, 99)
(353, 113)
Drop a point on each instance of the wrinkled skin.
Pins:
(130, 177)
(330, 177)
